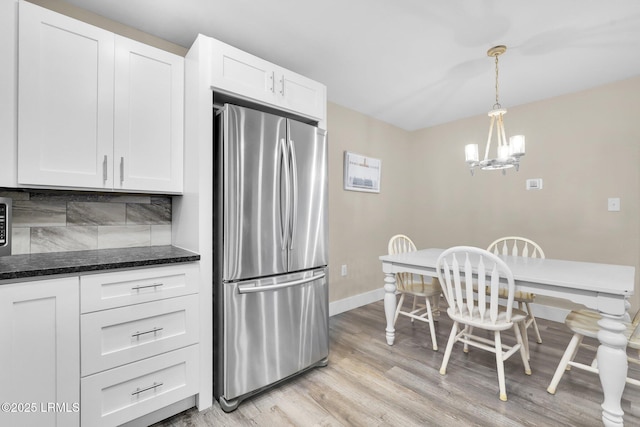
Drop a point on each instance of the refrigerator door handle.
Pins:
(284, 159)
(252, 288)
(294, 193)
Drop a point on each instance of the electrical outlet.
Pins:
(613, 204)
(343, 270)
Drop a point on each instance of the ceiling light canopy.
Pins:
(508, 153)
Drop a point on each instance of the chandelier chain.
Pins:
(497, 104)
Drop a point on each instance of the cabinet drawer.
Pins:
(122, 335)
(122, 394)
(117, 289)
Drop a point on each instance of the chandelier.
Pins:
(507, 153)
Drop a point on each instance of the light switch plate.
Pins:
(534, 184)
(613, 204)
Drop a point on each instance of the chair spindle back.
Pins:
(516, 246)
(461, 266)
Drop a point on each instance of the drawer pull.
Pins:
(151, 331)
(142, 390)
(153, 285)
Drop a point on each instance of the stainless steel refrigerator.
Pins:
(270, 251)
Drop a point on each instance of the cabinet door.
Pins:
(242, 74)
(8, 91)
(301, 95)
(148, 128)
(39, 352)
(65, 108)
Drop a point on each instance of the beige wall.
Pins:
(585, 147)
(361, 223)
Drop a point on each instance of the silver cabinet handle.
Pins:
(272, 85)
(121, 170)
(153, 285)
(282, 85)
(151, 331)
(142, 390)
(104, 169)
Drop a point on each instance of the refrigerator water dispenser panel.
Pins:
(5, 226)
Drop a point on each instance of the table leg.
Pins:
(612, 364)
(390, 305)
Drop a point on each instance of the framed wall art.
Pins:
(361, 173)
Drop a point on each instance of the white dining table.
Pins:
(604, 287)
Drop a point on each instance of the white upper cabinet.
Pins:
(65, 116)
(149, 105)
(8, 91)
(241, 74)
(96, 110)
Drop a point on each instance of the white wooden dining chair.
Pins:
(415, 286)
(521, 246)
(584, 323)
(457, 268)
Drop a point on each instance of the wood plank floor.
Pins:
(369, 383)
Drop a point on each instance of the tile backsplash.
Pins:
(58, 221)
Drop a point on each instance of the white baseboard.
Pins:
(555, 314)
(355, 301)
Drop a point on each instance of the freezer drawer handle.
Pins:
(142, 390)
(252, 288)
(151, 331)
(154, 285)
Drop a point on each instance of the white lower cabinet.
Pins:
(139, 345)
(39, 353)
(131, 287)
(99, 349)
(115, 337)
(113, 397)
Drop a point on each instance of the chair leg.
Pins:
(524, 352)
(435, 306)
(469, 331)
(568, 355)
(431, 325)
(447, 352)
(575, 353)
(500, 366)
(413, 307)
(525, 338)
(532, 319)
(398, 308)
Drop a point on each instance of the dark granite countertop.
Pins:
(44, 264)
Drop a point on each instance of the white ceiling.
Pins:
(413, 63)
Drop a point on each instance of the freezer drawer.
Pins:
(273, 328)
